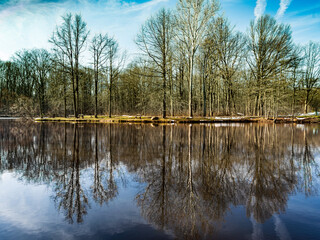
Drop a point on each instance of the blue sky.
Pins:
(29, 23)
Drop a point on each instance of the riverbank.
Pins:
(179, 119)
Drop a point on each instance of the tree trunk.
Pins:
(77, 91)
(204, 95)
(164, 114)
(306, 101)
(74, 95)
(96, 89)
(65, 98)
(191, 58)
(110, 87)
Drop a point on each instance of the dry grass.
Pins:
(178, 119)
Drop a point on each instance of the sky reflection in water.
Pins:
(243, 181)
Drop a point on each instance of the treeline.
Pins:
(192, 62)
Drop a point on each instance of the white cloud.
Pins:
(305, 23)
(29, 24)
(284, 4)
(260, 8)
(305, 28)
(257, 233)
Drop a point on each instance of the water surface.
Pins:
(110, 181)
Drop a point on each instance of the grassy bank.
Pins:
(180, 119)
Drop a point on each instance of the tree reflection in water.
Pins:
(208, 169)
(70, 196)
(194, 175)
(104, 186)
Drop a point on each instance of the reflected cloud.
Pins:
(281, 229)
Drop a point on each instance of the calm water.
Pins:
(238, 181)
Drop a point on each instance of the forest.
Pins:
(191, 62)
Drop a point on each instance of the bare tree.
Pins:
(115, 62)
(35, 66)
(70, 38)
(60, 77)
(41, 61)
(271, 52)
(25, 81)
(295, 75)
(192, 19)
(228, 50)
(98, 48)
(311, 74)
(155, 40)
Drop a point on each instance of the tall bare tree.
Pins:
(70, 38)
(59, 77)
(311, 73)
(98, 48)
(41, 60)
(115, 62)
(155, 40)
(294, 76)
(271, 52)
(192, 20)
(228, 50)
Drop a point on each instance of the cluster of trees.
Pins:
(192, 61)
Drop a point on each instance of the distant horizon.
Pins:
(28, 24)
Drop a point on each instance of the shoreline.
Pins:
(179, 119)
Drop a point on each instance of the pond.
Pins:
(122, 181)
